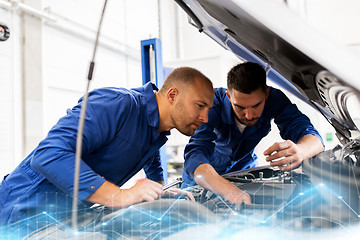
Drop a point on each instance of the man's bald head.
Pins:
(183, 77)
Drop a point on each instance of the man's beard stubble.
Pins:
(243, 121)
(178, 117)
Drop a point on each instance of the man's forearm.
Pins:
(311, 146)
(110, 195)
(206, 176)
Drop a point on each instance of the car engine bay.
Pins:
(317, 197)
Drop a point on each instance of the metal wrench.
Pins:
(177, 181)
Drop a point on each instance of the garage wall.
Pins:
(11, 125)
(45, 61)
(68, 49)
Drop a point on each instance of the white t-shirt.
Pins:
(240, 125)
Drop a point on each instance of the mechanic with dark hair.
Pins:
(240, 117)
(124, 130)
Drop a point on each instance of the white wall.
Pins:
(45, 63)
(11, 137)
(67, 55)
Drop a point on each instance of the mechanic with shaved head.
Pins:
(240, 117)
(124, 130)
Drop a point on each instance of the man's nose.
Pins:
(204, 116)
(248, 113)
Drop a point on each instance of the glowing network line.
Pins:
(121, 235)
(302, 193)
(226, 204)
(56, 220)
(263, 184)
(310, 217)
(169, 208)
(142, 211)
(155, 235)
(341, 198)
(288, 203)
(236, 214)
(183, 224)
(264, 221)
(351, 209)
(101, 212)
(356, 183)
(138, 209)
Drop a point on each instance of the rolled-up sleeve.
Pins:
(58, 166)
(54, 158)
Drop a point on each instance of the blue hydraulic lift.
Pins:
(153, 70)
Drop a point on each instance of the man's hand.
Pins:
(206, 176)
(178, 192)
(110, 195)
(287, 155)
(145, 190)
(236, 195)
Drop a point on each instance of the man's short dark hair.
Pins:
(246, 77)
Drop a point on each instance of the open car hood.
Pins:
(296, 56)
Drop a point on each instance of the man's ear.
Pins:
(171, 95)
(267, 92)
(227, 93)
